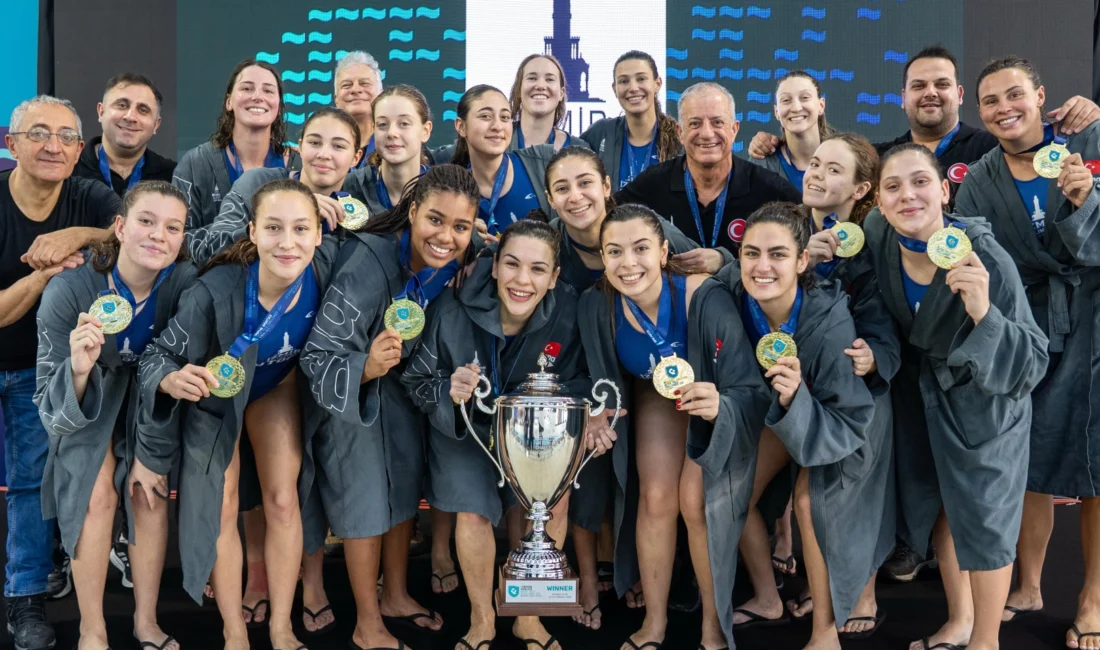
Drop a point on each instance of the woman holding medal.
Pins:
(800, 110)
(673, 335)
(644, 135)
(230, 354)
(354, 362)
(94, 323)
(973, 354)
(1042, 204)
(537, 101)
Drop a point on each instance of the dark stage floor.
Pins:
(914, 610)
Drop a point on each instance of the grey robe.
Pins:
(719, 353)
(233, 214)
(459, 331)
(81, 432)
(1062, 281)
(962, 401)
(605, 137)
(201, 175)
(208, 320)
(362, 184)
(772, 163)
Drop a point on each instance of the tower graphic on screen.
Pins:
(567, 50)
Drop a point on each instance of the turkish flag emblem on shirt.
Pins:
(552, 348)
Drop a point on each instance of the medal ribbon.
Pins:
(1049, 137)
(945, 142)
(125, 292)
(719, 207)
(105, 170)
(252, 333)
(498, 185)
(581, 247)
(493, 365)
(657, 333)
(649, 151)
(760, 321)
(273, 161)
(425, 286)
(825, 269)
(918, 246)
(828, 222)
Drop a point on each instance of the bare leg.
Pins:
(824, 635)
(314, 597)
(89, 563)
(255, 586)
(784, 544)
(605, 546)
(477, 554)
(226, 576)
(956, 586)
(1088, 602)
(443, 564)
(1031, 551)
(147, 565)
(990, 589)
(693, 507)
(396, 600)
(362, 557)
(584, 544)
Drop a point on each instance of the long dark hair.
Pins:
(243, 251)
(668, 139)
(104, 253)
(580, 152)
(916, 148)
(536, 226)
(224, 133)
(515, 100)
(824, 129)
(790, 216)
(419, 101)
(462, 148)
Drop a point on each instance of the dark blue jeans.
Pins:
(30, 538)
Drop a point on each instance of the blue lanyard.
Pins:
(829, 221)
(493, 365)
(1049, 136)
(649, 150)
(657, 333)
(105, 170)
(945, 142)
(719, 207)
(918, 246)
(760, 321)
(581, 247)
(125, 292)
(498, 185)
(553, 132)
(427, 284)
(273, 161)
(380, 187)
(252, 333)
(789, 170)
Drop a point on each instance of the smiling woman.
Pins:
(537, 101)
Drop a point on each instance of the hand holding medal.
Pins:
(700, 399)
(405, 317)
(948, 246)
(850, 238)
(785, 377)
(1048, 160)
(112, 312)
(191, 383)
(356, 213)
(672, 373)
(384, 353)
(85, 343)
(970, 279)
(1075, 179)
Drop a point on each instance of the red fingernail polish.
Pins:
(675, 392)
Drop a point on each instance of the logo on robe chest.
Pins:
(550, 352)
(736, 229)
(957, 173)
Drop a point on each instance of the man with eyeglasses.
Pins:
(130, 117)
(46, 217)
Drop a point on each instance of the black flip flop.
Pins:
(313, 615)
(440, 578)
(635, 593)
(878, 619)
(656, 645)
(1018, 613)
(355, 646)
(588, 613)
(703, 647)
(543, 646)
(788, 565)
(756, 620)
(1081, 635)
(941, 646)
(150, 644)
(409, 622)
(253, 624)
(486, 642)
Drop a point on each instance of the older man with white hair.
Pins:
(46, 216)
(358, 81)
(706, 192)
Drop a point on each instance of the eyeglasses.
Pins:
(67, 137)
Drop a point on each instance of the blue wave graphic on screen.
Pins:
(296, 100)
(320, 98)
(268, 57)
(869, 14)
(811, 35)
(677, 73)
(450, 116)
(319, 57)
(319, 37)
(757, 73)
(679, 55)
(759, 98)
(342, 53)
(892, 98)
(347, 14)
(732, 55)
(727, 73)
(738, 147)
(296, 118)
(291, 37)
(786, 55)
(757, 116)
(758, 12)
(738, 116)
(452, 73)
(868, 98)
(401, 55)
(819, 75)
(731, 12)
(702, 73)
(868, 118)
(296, 77)
(672, 96)
(843, 75)
(703, 11)
(780, 73)
(320, 75)
(374, 14)
(702, 35)
(427, 12)
(452, 35)
(398, 12)
(451, 96)
(430, 55)
(398, 35)
(730, 35)
(317, 14)
(900, 57)
(810, 12)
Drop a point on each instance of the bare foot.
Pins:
(444, 579)
(867, 609)
(591, 617)
(635, 599)
(374, 638)
(284, 639)
(644, 636)
(770, 609)
(236, 642)
(953, 633)
(529, 630)
(404, 606)
(803, 606)
(93, 640)
(480, 635)
(1027, 601)
(1088, 620)
(152, 633)
(316, 611)
(255, 607)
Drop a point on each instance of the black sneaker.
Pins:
(27, 623)
(60, 582)
(904, 565)
(120, 559)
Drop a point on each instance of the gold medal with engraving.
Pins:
(672, 374)
(230, 375)
(112, 311)
(851, 238)
(1048, 160)
(406, 317)
(356, 213)
(947, 246)
(773, 347)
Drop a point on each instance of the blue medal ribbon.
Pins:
(1049, 137)
(105, 170)
(252, 332)
(918, 246)
(760, 321)
(945, 142)
(581, 247)
(719, 207)
(825, 269)
(649, 151)
(497, 385)
(657, 333)
(426, 285)
(498, 185)
(236, 170)
(828, 222)
(125, 292)
(553, 132)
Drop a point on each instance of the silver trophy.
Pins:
(540, 433)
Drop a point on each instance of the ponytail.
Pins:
(462, 148)
(668, 138)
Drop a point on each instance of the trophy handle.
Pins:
(601, 399)
(480, 393)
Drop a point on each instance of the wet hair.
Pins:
(134, 79)
(637, 212)
(224, 133)
(462, 148)
(593, 159)
(515, 98)
(931, 52)
(20, 111)
(1009, 63)
(791, 217)
(422, 110)
(338, 114)
(536, 226)
(243, 251)
(668, 139)
(824, 129)
(918, 149)
(104, 254)
(866, 171)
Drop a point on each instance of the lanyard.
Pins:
(425, 286)
(945, 142)
(252, 333)
(498, 185)
(828, 222)
(658, 333)
(105, 170)
(918, 246)
(272, 161)
(497, 385)
(581, 247)
(650, 149)
(760, 321)
(125, 292)
(719, 207)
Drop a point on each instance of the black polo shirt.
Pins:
(661, 188)
(966, 148)
(157, 167)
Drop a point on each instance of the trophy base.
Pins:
(529, 597)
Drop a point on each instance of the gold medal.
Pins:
(1048, 160)
(112, 311)
(851, 238)
(356, 213)
(947, 246)
(230, 375)
(773, 347)
(406, 317)
(672, 374)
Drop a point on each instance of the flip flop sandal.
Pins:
(437, 578)
(410, 621)
(656, 645)
(788, 565)
(589, 613)
(466, 644)
(878, 619)
(150, 644)
(941, 646)
(635, 593)
(254, 624)
(756, 620)
(1081, 635)
(544, 646)
(313, 616)
(799, 602)
(1018, 613)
